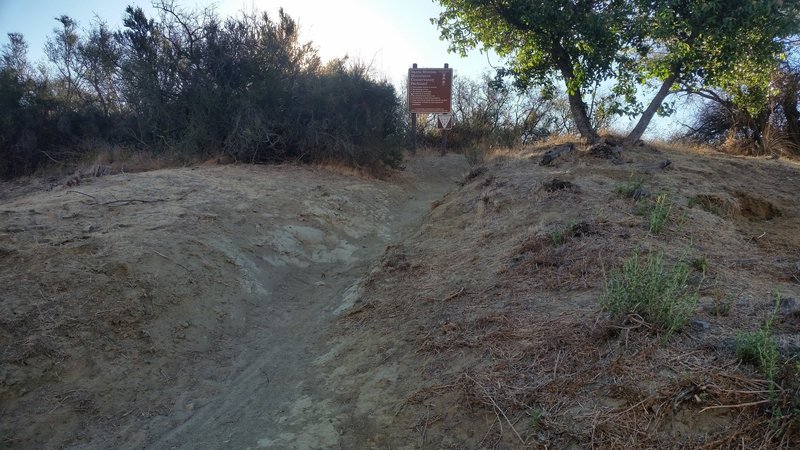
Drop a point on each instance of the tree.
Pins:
(756, 121)
(680, 43)
(100, 55)
(697, 45)
(62, 51)
(14, 56)
(486, 111)
(186, 81)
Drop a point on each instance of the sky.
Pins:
(389, 35)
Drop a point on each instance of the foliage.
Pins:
(584, 43)
(660, 213)
(628, 188)
(579, 41)
(759, 347)
(767, 123)
(652, 290)
(487, 114)
(188, 81)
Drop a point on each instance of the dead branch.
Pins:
(171, 260)
(498, 409)
(740, 405)
(87, 195)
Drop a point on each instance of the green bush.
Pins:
(759, 347)
(627, 188)
(649, 288)
(660, 213)
(195, 84)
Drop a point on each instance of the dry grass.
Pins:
(500, 292)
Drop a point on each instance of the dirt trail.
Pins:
(304, 308)
(185, 308)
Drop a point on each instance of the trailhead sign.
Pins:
(430, 90)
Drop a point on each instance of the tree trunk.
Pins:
(648, 114)
(581, 118)
(576, 105)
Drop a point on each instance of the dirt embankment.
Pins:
(251, 307)
(182, 307)
(485, 329)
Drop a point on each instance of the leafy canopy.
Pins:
(688, 44)
(581, 38)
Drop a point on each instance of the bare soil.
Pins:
(184, 308)
(444, 307)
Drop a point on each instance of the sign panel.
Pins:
(430, 90)
(444, 121)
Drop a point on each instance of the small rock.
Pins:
(550, 155)
(605, 150)
(89, 228)
(701, 325)
(184, 324)
(640, 192)
(790, 307)
(145, 334)
(788, 345)
(708, 304)
(556, 185)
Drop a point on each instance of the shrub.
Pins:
(193, 84)
(759, 347)
(627, 188)
(660, 213)
(652, 290)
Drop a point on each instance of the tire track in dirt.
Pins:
(259, 406)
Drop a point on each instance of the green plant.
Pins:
(660, 213)
(627, 188)
(649, 288)
(759, 347)
(701, 264)
(558, 237)
(642, 207)
(535, 417)
(723, 306)
(692, 202)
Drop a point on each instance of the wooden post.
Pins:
(444, 131)
(413, 133)
(413, 126)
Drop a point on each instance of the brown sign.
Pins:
(430, 90)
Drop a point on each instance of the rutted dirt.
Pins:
(297, 308)
(184, 308)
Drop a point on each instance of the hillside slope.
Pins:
(485, 329)
(182, 307)
(447, 307)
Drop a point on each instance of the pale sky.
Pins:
(390, 34)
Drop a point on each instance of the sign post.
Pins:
(430, 91)
(444, 122)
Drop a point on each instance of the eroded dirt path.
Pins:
(273, 401)
(186, 308)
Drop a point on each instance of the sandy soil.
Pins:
(184, 308)
(445, 307)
